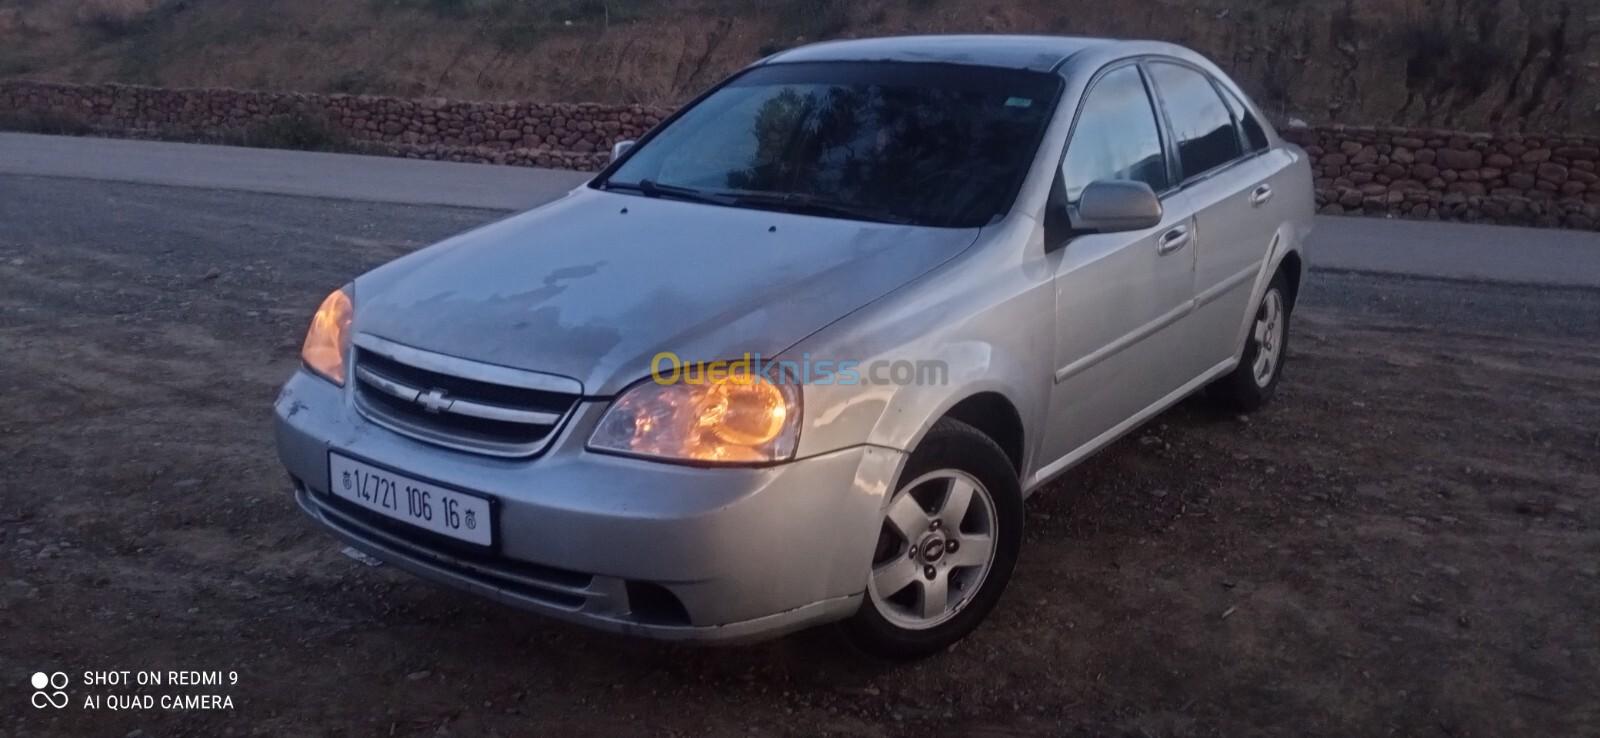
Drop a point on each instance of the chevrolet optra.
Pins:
(1073, 234)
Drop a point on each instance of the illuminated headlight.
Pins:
(744, 420)
(327, 347)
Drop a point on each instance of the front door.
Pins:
(1121, 298)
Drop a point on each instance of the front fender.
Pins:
(898, 416)
(982, 323)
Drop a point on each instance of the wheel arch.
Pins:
(1292, 267)
(994, 415)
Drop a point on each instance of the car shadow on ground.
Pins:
(1138, 464)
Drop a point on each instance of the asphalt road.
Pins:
(1443, 250)
(1404, 543)
(310, 174)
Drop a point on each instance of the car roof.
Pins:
(1037, 53)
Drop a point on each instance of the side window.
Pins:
(1116, 136)
(1255, 137)
(1200, 121)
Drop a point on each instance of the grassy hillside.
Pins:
(1475, 64)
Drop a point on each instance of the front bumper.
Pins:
(625, 545)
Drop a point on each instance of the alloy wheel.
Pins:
(1268, 334)
(935, 549)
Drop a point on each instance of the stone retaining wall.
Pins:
(1551, 181)
(560, 135)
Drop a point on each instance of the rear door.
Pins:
(1228, 179)
(1121, 298)
(1269, 174)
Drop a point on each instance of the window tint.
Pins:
(1200, 122)
(931, 144)
(1116, 137)
(1255, 137)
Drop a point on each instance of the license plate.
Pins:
(426, 505)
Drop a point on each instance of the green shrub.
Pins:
(51, 122)
(519, 34)
(443, 8)
(300, 131)
(812, 19)
(354, 82)
(517, 25)
(117, 18)
(16, 66)
(1435, 59)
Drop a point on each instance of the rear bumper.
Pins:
(624, 545)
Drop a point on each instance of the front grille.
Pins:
(460, 404)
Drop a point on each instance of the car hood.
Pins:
(594, 285)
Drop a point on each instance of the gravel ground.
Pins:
(1404, 543)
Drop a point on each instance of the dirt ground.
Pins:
(1405, 543)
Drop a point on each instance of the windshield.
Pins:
(925, 144)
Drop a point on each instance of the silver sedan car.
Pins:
(799, 354)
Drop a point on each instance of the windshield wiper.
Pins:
(794, 202)
(650, 188)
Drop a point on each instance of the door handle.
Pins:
(1261, 195)
(1173, 240)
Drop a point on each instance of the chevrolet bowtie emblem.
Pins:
(434, 401)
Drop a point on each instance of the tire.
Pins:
(1247, 388)
(907, 622)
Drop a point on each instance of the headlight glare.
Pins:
(743, 420)
(327, 347)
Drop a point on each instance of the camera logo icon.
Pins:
(48, 690)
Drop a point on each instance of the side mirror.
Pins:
(619, 148)
(1116, 205)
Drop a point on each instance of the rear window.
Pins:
(1200, 120)
(1255, 137)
